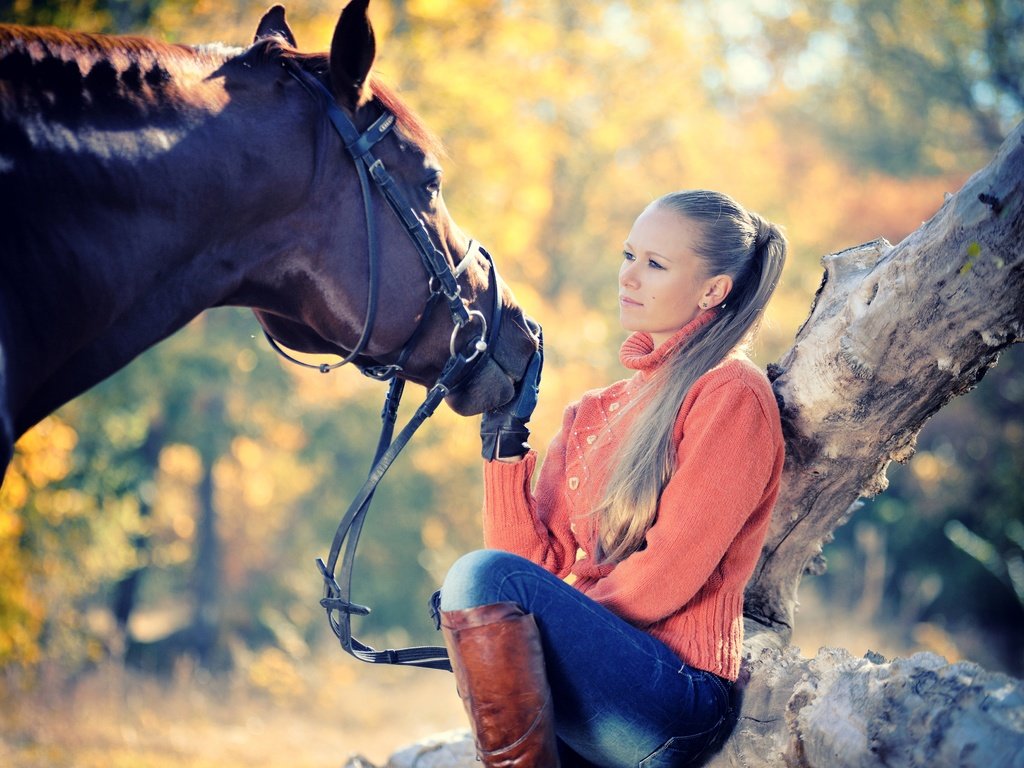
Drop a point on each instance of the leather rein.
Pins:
(443, 283)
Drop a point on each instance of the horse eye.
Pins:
(433, 185)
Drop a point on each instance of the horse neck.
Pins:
(107, 141)
(123, 204)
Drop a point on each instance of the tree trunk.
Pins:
(126, 590)
(207, 616)
(894, 334)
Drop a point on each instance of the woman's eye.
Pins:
(628, 256)
(654, 264)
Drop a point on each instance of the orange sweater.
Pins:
(686, 586)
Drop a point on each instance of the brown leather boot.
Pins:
(499, 669)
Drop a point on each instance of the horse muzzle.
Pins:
(494, 381)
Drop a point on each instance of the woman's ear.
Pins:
(715, 291)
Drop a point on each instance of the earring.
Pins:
(703, 305)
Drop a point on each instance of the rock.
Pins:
(450, 749)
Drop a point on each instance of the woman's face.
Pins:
(662, 280)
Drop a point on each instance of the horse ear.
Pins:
(353, 49)
(273, 25)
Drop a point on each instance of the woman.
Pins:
(603, 625)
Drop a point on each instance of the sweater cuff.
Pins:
(508, 519)
(507, 489)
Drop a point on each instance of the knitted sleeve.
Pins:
(534, 525)
(727, 468)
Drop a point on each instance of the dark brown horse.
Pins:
(141, 183)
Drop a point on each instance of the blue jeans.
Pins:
(621, 697)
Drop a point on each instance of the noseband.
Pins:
(463, 359)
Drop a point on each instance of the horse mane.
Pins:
(62, 43)
(408, 120)
(64, 73)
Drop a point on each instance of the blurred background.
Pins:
(158, 593)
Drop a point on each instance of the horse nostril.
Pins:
(534, 326)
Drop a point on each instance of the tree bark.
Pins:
(894, 333)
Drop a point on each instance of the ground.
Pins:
(275, 712)
(277, 715)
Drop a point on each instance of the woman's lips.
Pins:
(625, 301)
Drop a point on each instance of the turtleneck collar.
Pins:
(638, 352)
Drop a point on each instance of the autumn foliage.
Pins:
(561, 121)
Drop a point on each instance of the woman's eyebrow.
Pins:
(626, 245)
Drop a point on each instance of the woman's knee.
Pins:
(476, 579)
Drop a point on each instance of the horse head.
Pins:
(326, 304)
(142, 183)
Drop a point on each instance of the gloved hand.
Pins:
(503, 431)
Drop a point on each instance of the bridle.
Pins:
(444, 286)
(442, 279)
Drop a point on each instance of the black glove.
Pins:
(503, 431)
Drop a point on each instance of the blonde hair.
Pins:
(750, 250)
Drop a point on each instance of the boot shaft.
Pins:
(498, 662)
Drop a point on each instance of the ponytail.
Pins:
(757, 279)
(750, 250)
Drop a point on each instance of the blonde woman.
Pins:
(603, 623)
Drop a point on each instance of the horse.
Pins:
(143, 182)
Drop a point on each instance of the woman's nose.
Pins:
(627, 275)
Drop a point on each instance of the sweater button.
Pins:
(613, 407)
(574, 483)
(591, 439)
